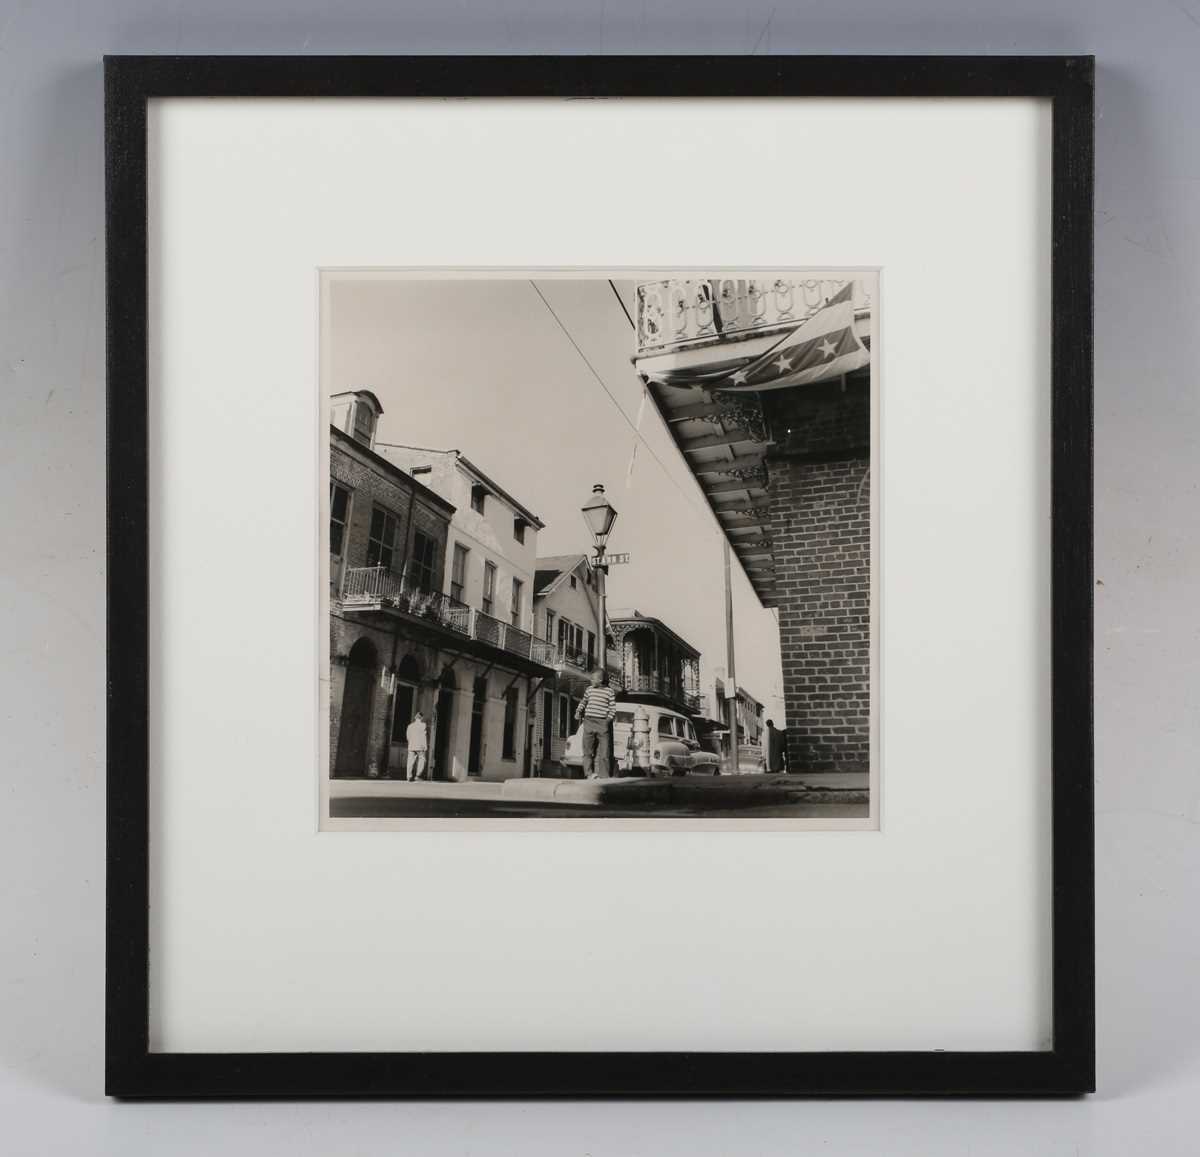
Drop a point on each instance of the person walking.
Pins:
(596, 709)
(417, 737)
(775, 749)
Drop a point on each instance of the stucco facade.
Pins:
(401, 642)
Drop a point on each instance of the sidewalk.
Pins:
(690, 791)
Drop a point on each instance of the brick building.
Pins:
(820, 527)
(399, 641)
(786, 472)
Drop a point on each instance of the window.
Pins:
(339, 516)
(549, 626)
(591, 649)
(570, 641)
(685, 730)
(364, 423)
(421, 470)
(381, 543)
(458, 572)
(424, 561)
(564, 716)
(510, 723)
(519, 525)
(666, 725)
(489, 587)
(574, 583)
(624, 717)
(518, 587)
(478, 494)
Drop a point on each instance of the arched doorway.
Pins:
(405, 704)
(355, 725)
(478, 707)
(443, 726)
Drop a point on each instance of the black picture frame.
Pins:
(132, 1070)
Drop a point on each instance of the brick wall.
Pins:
(373, 482)
(820, 507)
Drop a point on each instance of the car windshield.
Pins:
(666, 725)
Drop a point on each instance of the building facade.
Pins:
(566, 608)
(399, 641)
(654, 662)
(786, 472)
(488, 575)
(714, 720)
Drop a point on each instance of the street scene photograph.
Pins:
(600, 548)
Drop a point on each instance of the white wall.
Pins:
(488, 536)
(580, 606)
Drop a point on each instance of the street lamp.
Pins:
(600, 514)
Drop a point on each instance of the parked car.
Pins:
(667, 747)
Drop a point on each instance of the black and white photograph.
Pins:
(601, 547)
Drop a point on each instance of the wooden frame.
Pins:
(132, 1069)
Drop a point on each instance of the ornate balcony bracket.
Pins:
(741, 411)
(762, 513)
(755, 475)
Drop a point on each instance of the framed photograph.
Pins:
(600, 576)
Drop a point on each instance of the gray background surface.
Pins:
(51, 578)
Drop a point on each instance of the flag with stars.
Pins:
(821, 348)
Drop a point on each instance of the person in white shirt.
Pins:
(417, 737)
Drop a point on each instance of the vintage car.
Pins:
(665, 744)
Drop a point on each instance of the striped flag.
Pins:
(820, 349)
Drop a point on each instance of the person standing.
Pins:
(417, 737)
(596, 709)
(775, 748)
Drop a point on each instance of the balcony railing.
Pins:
(674, 314)
(660, 685)
(576, 657)
(378, 587)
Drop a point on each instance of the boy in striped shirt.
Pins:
(596, 709)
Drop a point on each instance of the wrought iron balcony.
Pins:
(675, 314)
(660, 685)
(377, 588)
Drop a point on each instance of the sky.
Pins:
(534, 382)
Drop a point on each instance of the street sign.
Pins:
(611, 559)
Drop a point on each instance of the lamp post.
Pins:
(600, 514)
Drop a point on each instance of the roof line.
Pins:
(521, 508)
(379, 459)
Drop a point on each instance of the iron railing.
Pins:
(676, 313)
(376, 586)
(660, 685)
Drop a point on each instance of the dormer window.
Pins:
(519, 525)
(364, 422)
(478, 494)
(356, 413)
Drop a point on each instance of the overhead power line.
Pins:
(612, 398)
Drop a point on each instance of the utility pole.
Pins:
(731, 686)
